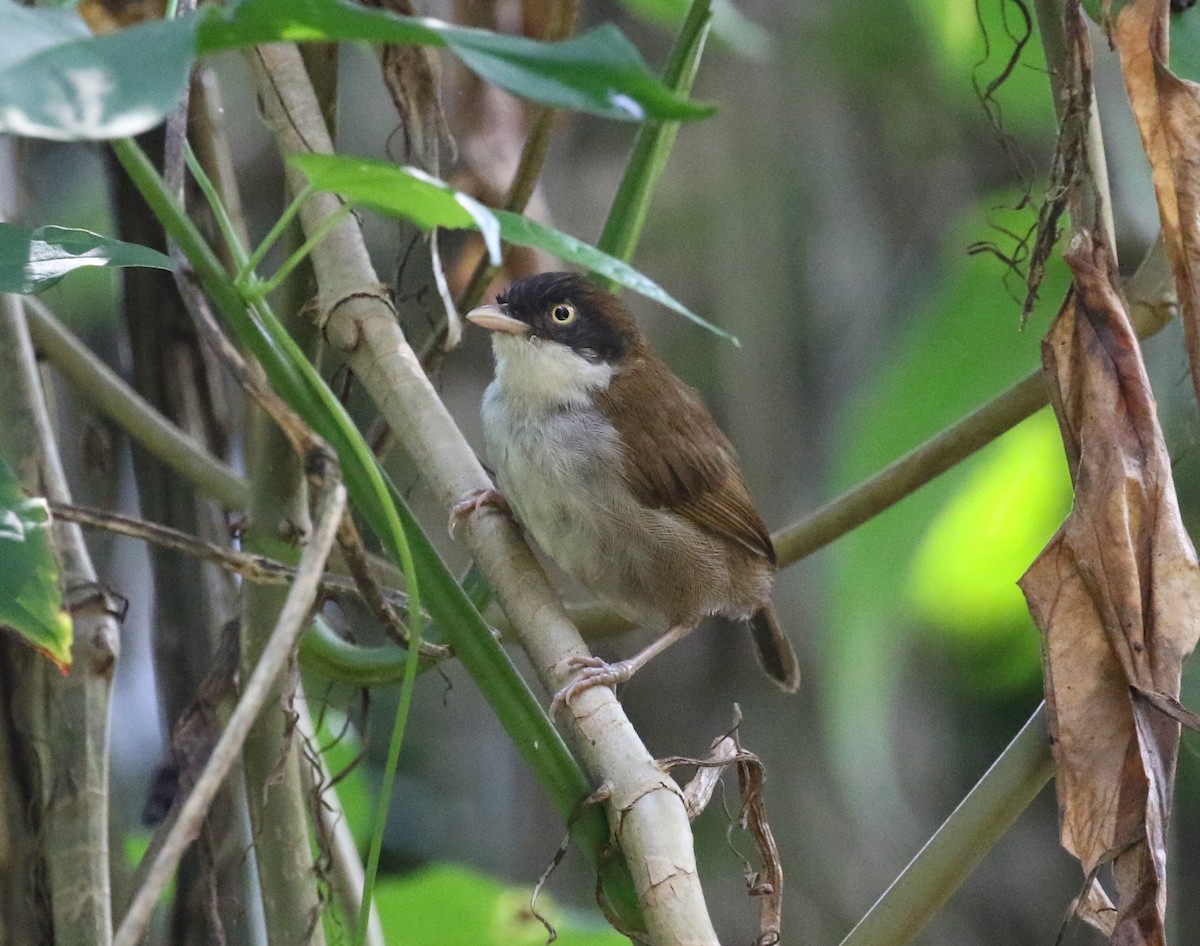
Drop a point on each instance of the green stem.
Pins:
(229, 231)
(974, 827)
(385, 797)
(273, 235)
(257, 290)
(652, 147)
(913, 470)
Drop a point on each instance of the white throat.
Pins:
(539, 374)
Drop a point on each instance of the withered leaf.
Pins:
(1167, 110)
(1116, 594)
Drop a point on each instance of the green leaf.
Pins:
(94, 87)
(33, 260)
(429, 202)
(30, 597)
(525, 232)
(598, 71)
(58, 82)
(422, 198)
(28, 31)
(447, 904)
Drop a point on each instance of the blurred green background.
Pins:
(824, 216)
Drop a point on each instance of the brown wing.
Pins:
(677, 458)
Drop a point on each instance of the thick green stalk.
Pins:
(948, 858)
(652, 147)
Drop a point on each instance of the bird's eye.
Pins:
(564, 313)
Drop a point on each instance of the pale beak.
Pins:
(496, 318)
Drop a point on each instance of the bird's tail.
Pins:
(774, 650)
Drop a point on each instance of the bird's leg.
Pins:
(475, 500)
(595, 672)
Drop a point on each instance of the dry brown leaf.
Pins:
(1095, 909)
(1117, 595)
(765, 884)
(1167, 110)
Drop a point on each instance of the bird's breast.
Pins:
(562, 471)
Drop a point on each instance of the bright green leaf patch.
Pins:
(446, 905)
(57, 82)
(429, 202)
(963, 583)
(30, 597)
(33, 260)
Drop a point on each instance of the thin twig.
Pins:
(330, 505)
(369, 589)
(301, 437)
(347, 880)
(254, 568)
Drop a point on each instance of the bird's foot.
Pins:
(593, 672)
(475, 500)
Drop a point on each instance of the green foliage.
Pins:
(972, 43)
(28, 30)
(963, 584)
(98, 86)
(33, 260)
(30, 597)
(448, 905)
(429, 202)
(57, 82)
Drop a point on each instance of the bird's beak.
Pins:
(496, 318)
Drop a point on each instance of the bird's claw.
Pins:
(472, 502)
(593, 672)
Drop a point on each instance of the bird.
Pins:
(620, 473)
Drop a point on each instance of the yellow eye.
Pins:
(563, 314)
